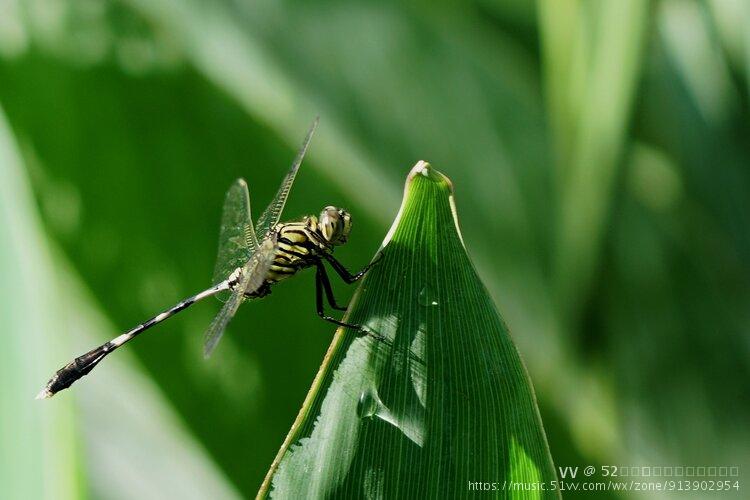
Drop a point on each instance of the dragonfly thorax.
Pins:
(300, 244)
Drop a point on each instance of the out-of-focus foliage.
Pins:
(47, 312)
(599, 151)
(34, 444)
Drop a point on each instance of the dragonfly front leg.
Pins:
(323, 285)
(345, 274)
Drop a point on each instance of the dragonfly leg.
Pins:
(345, 274)
(323, 276)
(321, 279)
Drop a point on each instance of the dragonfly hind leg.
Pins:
(322, 277)
(323, 285)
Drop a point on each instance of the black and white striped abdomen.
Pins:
(297, 245)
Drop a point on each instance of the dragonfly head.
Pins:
(335, 224)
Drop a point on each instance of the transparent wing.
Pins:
(220, 322)
(237, 240)
(253, 275)
(270, 216)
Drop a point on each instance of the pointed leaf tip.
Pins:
(423, 169)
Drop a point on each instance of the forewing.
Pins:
(237, 240)
(271, 215)
(253, 275)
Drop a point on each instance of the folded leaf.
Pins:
(434, 398)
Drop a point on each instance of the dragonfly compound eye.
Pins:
(334, 225)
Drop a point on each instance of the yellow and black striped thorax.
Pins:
(298, 244)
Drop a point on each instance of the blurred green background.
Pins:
(600, 153)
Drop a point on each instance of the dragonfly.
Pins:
(251, 259)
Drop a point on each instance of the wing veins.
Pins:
(272, 214)
(253, 276)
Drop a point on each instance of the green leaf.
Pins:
(435, 396)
